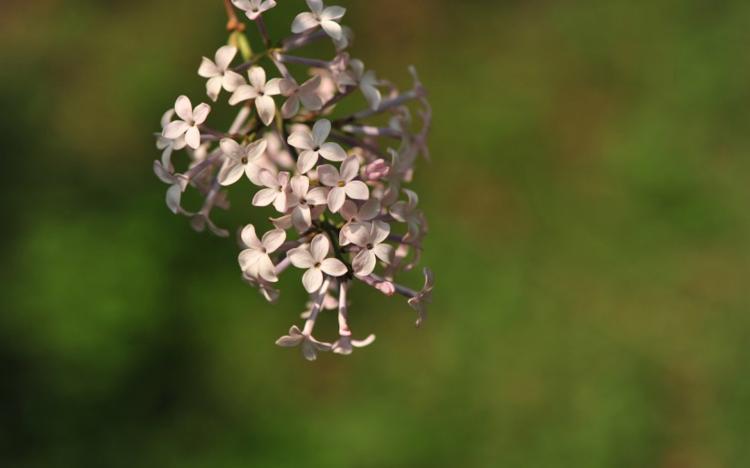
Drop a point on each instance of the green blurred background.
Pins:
(588, 199)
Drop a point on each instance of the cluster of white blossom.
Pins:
(336, 182)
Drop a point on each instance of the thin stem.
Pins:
(263, 31)
(308, 62)
(369, 130)
(301, 40)
(317, 306)
(343, 310)
(233, 23)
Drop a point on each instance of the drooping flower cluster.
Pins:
(335, 181)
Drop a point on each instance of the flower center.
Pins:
(370, 246)
(341, 183)
(244, 160)
(317, 265)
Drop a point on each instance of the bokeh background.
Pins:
(588, 199)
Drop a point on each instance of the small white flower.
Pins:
(168, 145)
(312, 144)
(367, 82)
(314, 258)
(369, 237)
(276, 191)
(254, 8)
(343, 184)
(349, 211)
(188, 126)
(303, 199)
(240, 160)
(218, 73)
(261, 91)
(307, 94)
(256, 260)
(319, 15)
(310, 346)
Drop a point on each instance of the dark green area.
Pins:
(588, 199)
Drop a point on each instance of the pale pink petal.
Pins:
(231, 148)
(208, 69)
(332, 152)
(301, 218)
(364, 263)
(224, 56)
(307, 161)
(280, 204)
(266, 269)
(380, 231)
(230, 172)
(301, 139)
(309, 351)
(316, 6)
(290, 108)
(333, 13)
(266, 109)
(243, 93)
(265, 197)
(272, 240)
(333, 29)
(175, 129)
(269, 180)
(384, 252)
(372, 95)
(301, 258)
(350, 168)
(362, 343)
(300, 185)
(320, 131)
(359, 233)
(311, 102)
(272, 88)
(312, 280)
(357, 190)
(193, 137)
(213, 87)
(232, 81)
(303, 22)
(183, 108)
(328, 175)
(333, 267)
(287, 86)
(252, 171)
(290, 341)
(200, 113)
(349, 210)
(249, 259)
(336, 198)
(317, 196)
(256, 148)
(257, 77)
(174, 194)
(319, 247)
(249, 238)
(369, 210)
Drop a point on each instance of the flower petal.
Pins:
(350, 168)
(307, 161)
(224, 56)
(369, 210)
(336, 199)
(320, 131)
(290, 108)
(213, 87)
(357, 190)
(301, 218)
(256, 148)
(319, 247)
(332, 152)
(231, 148)
(272, 240)
(273, 88)
(200, 113)
(333, 267)
(303, 22)
(257, 77)
(266, 269)
(364, 263)
(208, 69)
(380, 231)
(230, 172)
(249, 238)
(301, 139)
(328, 175)
(243, 93)
(266, 109)
(333, 29)
(183, 108)
(317, 196)
(232, 81)
(175, 129)
(312, 280)
(193, 137)
(384, 252)
(301, 258)
(300, 185)
(265, 197)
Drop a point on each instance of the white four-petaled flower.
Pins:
(254, 8)
(314, 258)
(191, 119)
(319, 15)
(276, 191)
(256, 260)
(312, 144)
(218, 73)
(310, 346)
(304, 199)
(370, 238)
(261, 91)
(240, 159)
(353, 215)
(343, 184)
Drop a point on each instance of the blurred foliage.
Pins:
(588, 202)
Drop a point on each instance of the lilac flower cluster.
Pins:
(336, 183)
